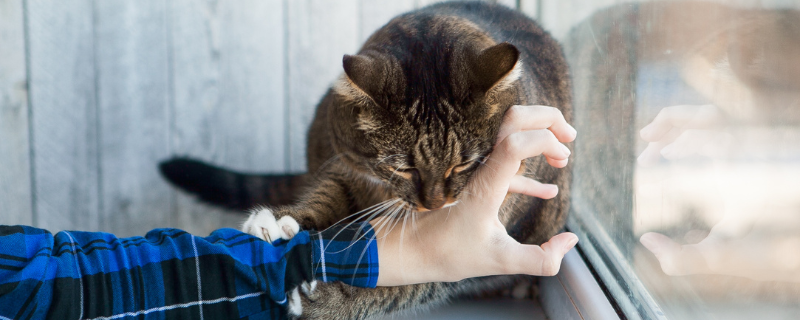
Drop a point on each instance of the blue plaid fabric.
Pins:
(171, 274)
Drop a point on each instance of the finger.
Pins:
(681, 116)
(522, 118)
(665, 120)
(530, 187)
(496, 173)
(544, 260)
(557, 163)
(674, 259)
(653, 152)
(523, 145)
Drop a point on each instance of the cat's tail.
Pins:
(230, 189)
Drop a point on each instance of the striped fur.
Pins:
(414, 115)
(410, 99)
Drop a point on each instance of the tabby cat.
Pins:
(415, 113)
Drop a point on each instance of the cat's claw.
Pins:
(262, 224)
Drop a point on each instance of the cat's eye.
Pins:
(464, 166)
(405, 172)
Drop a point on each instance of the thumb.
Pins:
(545, 260)
(674, 258)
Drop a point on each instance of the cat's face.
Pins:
(427, 163)
(423, 125)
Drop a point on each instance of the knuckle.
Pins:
(547, 136)
(513, 143)
(514, 113)
(506, 265)
(550, 267)
(553, 112)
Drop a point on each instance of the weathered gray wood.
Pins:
(508, 3)
(376, 13)
(133, 100)
(15, 171)
(229, 105)
(64, 114)
(320, 33)
(530, 8)
(422, 3)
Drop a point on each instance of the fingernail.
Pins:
(648, 241)
(645, 132)
(573, 242)
(565, 150)
(573, 131)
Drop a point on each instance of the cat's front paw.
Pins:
(295, 307)
(262, 224)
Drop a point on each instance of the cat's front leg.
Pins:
(318, 208)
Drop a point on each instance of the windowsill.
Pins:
(572, 294)
(479, 310)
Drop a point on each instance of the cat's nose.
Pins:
(433, 197)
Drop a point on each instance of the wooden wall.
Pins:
(93, 94)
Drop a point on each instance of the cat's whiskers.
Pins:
(391, 219)
(385, 220)
(414, 222)
(484, 162)
(328, 162)
(372, 217)
(387, 158)
(448, 214)
(381, 207)
(402, 232)
(395, 172)
(362, 213)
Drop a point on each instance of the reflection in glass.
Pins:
(688, 162)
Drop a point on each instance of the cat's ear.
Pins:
(494, 67)
(363, 72)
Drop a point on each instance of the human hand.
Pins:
(680, 131)
(468, 239)
(752, 257)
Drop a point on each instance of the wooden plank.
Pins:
(15, 171)
(64, 114)
(376, 13)
(229, 96)
(320, 33)
(508, 3)
(423, 3)
(530, 8)
(133, 99)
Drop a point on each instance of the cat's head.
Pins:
(421, 113)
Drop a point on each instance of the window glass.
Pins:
(686, 188)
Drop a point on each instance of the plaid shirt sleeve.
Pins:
(171, 274)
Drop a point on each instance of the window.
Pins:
(686, 188)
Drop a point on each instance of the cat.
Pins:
(415, 113)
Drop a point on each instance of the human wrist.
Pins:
(403, 257)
